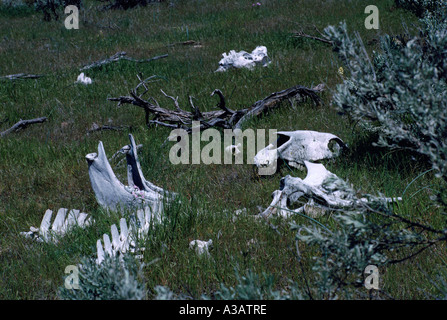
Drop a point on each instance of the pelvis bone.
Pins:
(295, 147)
(321, 190)
(111, 194)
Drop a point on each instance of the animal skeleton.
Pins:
(140, 196)
(127, 239)
(323, 191)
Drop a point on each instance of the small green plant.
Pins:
(420, 7)
(401, 96)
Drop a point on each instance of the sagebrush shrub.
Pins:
(401, 91)
(116, 278)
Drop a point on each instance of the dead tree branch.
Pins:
(223, 117)
(95, 127)
(117, 57)
(323, 38)
(21, 76)
(22, 124)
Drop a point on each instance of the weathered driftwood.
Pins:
(224, 117)
(21, 76)
(22, 124)
(117, 57)
(295, 147)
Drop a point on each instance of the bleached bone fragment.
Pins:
(113, 195)
(122, 242)
(321, 190)
(126, 238)
(243, 59)
(295, 147)
(201, 247)
(62, 224)
(233, 149)
(82, 78)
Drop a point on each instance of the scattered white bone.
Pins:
(295, 147)
(201, 247)
(322, 190)
(233, 149)
(121, 242)
(129, 235)
(144, 199)
(84, 79)
(111, 194)
(62, 224)
(140, 196)
(243, 59)
(238, 213)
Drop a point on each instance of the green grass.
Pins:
(44, 166)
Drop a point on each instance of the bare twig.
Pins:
(21, 76)
(119, 56)
(22, 124)
(323, 38)
(96, 128)
(185, 43)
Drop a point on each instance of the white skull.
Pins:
(295, 147)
